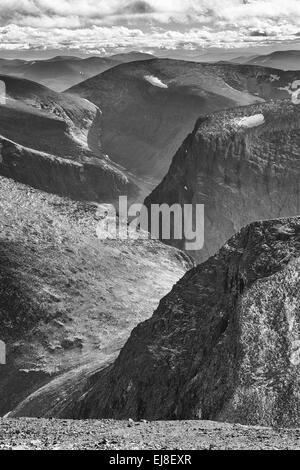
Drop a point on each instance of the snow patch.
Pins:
(293, 89)
(286, 88)
(250, 121)
(296, 96)
(155, 81)
(295, 84)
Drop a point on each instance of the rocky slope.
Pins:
(223, 345)
(51, 141)
(242, 164)
(67, 299)
(149, 107)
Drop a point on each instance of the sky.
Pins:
(183, 28)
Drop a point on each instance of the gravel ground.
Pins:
(41, 434)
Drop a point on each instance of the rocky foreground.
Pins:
(43, 434)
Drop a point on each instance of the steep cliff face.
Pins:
(242, 164)
(223, 345)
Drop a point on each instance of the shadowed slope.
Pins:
(51, 141)
(67, 298)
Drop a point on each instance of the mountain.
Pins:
(242, 164)
(133, 56)
(58, 73)
(62, 72)
(149, 107)
(284, 60)
(68, 300)
(223, 345)
(243, 59)
(51, 141)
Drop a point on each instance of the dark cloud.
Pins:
(137, 8)
(259, 34)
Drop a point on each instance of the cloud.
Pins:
(137, 7)
(263, 34)
(96, 24)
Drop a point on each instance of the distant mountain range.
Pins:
(284, 60)
(62, 72)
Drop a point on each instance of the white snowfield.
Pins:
(155, 81)
(250, 121)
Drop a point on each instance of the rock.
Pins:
(223, 345)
